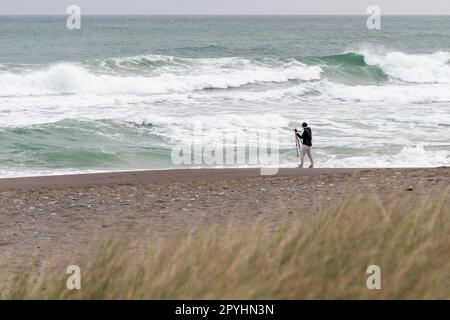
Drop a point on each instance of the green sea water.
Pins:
(120, 93)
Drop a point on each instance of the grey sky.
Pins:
(225, 6)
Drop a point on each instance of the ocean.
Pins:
(120, 93)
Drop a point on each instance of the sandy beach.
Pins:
(49, 218)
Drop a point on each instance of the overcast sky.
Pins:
(225, 6)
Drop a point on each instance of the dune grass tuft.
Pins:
(316, 256)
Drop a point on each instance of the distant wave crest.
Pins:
(166, 75)
(355, 76)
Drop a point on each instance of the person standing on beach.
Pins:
(306, 138)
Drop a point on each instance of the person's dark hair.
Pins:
(304, 125)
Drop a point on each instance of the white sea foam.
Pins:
(214, 128)
(388, 92)
(410, 157)
(75, 79)
(418, 68)
(167, 102)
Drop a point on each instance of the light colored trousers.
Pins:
(306, 150)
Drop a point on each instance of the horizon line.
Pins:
(229, 15)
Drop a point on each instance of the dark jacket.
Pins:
(306, 136)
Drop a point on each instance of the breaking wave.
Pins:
(156, 74)
(167, 77)
(126, 113)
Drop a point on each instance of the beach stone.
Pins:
(410, 188)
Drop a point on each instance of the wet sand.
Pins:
(48, 218)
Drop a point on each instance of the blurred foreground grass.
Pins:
(316, 256)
